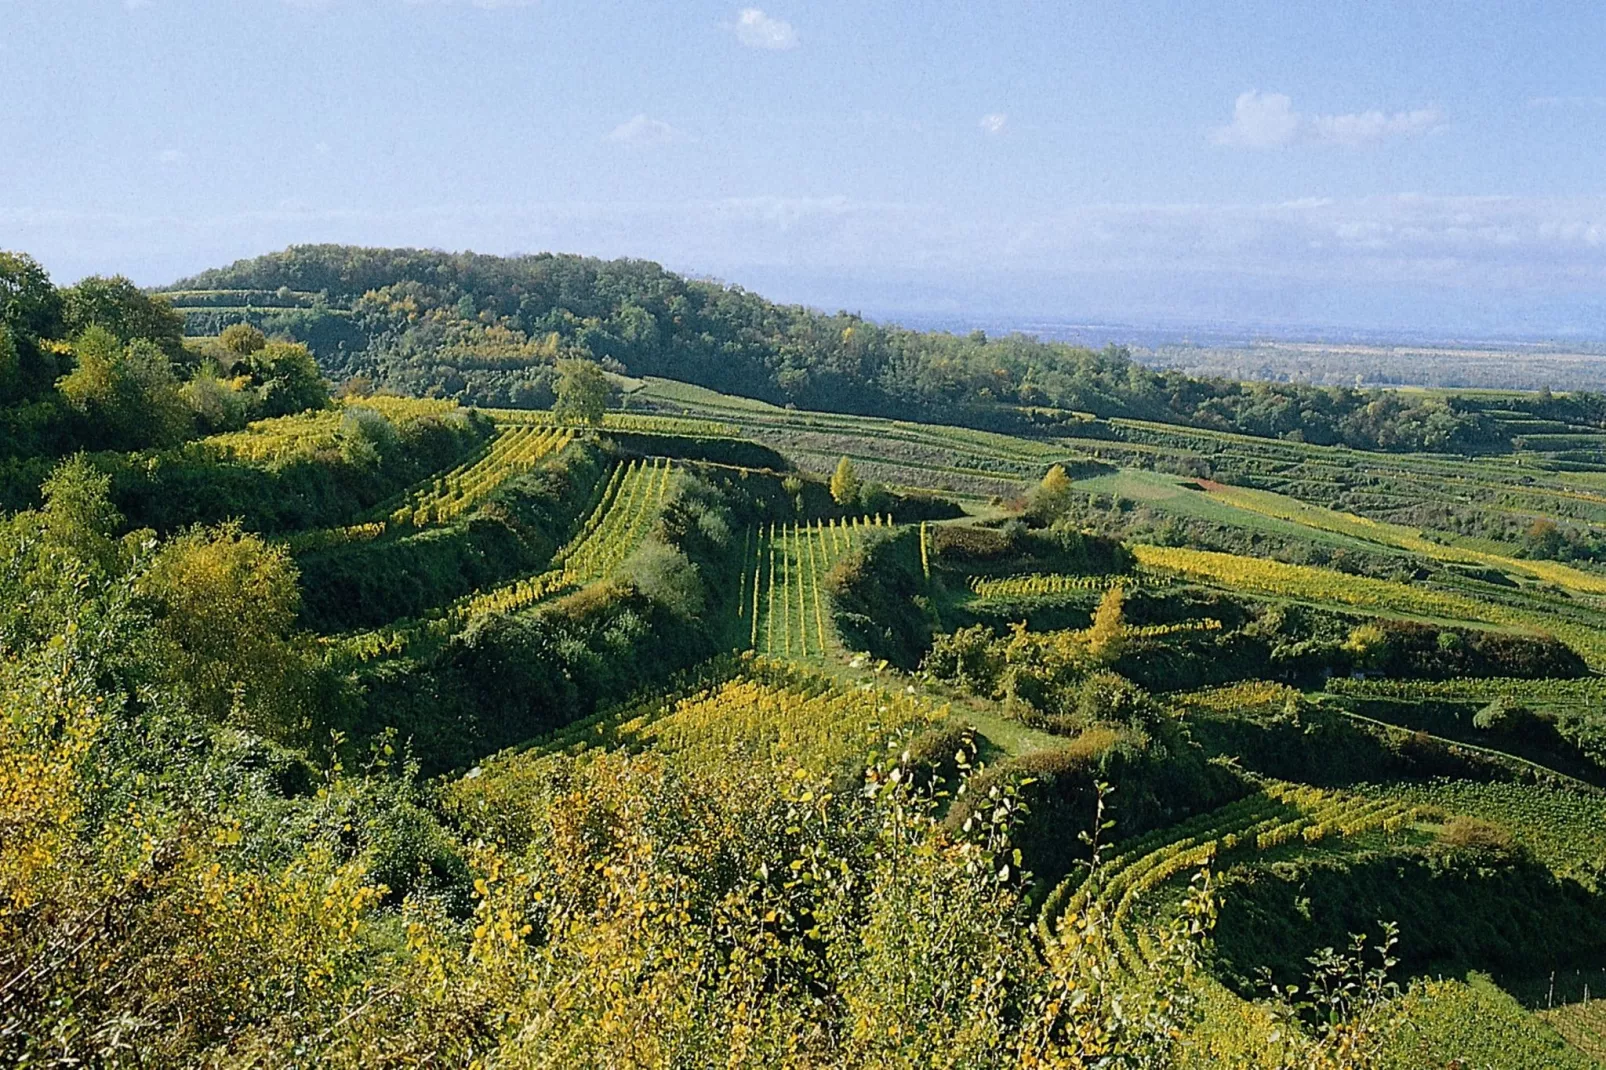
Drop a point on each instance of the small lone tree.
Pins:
(1107, 636)
(582, 392)
(242, 339)
(845, 485)
(1052, 496)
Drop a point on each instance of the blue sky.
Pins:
(1435, 166)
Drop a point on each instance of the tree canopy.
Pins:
(581, 392)
(488, 330)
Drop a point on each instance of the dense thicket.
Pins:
(102, 365)
(488, 330)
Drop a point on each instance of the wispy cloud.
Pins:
(1567, 102)
(994, 122)
(758, 30)
(644, 130)
(1269, 120)
(1370, 127)
(485, 5)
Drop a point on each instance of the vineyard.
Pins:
(759, 708)
(1039, 585)
(1277, 816)
(641, 423)
(282, 437)
(631, 502)
(781, 598)
(1400, 537)
(513, 451)
(1583, 1024)
(764, 707)
(1289, 678)
(1587, 691)
(1564, 828)
(1279, 579)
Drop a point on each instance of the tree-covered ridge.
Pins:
(488, 329)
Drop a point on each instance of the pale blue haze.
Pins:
(1435, 166)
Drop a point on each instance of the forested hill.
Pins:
(486, 330)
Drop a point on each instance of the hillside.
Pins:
(715, 728)
(485, 330)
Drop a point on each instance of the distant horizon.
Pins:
(1431, 169)
(1072, 326)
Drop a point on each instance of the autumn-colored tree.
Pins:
(1106, 639)
(78, 512)
(1052, 495)
(845, 485)
(127, 393)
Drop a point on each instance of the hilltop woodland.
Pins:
(423, 659)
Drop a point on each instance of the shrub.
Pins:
(1461, 833)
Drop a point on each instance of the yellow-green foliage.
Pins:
(640, 423)
(314, 431)
(769, 710)
(1404, 538)
(1106, 636)
(227, 602)
(647, 913)
(266, 441)
(631, 503)
(1474, 1024)
(1309, 583)
(136, 920)
(446, 497)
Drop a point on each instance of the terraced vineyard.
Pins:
(282, 437)
(642, 423)
(1372, 484)
(1276, 816)
(1586, 691)
(514, 450)
(631, 503)
(955, 460)
(1039, 585)
(756, 707)
(1564, 828)
(781, 597)
(1307, 583)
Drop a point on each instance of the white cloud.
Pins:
(1268, 120)
(1259, 121)
(644, 130)
(994, 122)
(1368, 128)
(758, 30)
